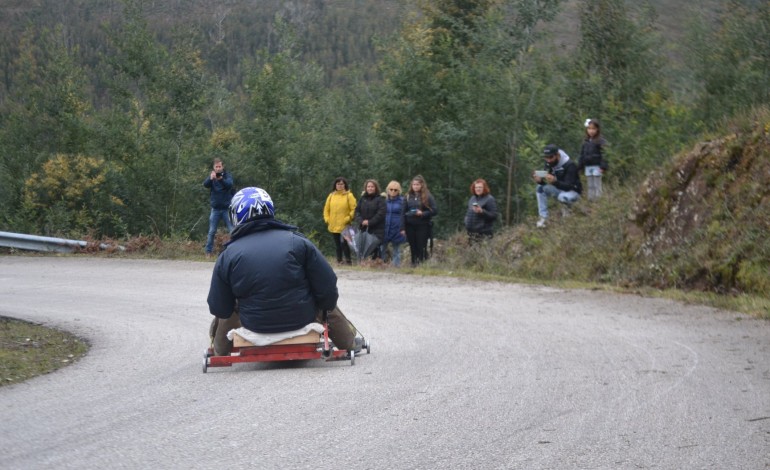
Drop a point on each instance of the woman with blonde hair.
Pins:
(394, 213)
(339, 210)
(419, 210)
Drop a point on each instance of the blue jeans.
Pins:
(396, 257)
(545, 191)
(594, 180)
(214, 217)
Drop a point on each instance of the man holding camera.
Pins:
(220, 184)
(559, 179)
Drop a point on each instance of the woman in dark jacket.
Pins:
(419, 210)
(482, 212)
(370, 213)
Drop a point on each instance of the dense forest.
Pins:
(111, 111)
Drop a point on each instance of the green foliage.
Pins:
(732, 62)
(462, 85)
(46, 112)
(155, 128)
(693, 225)
(298, 136)
(617, 50)
(72, 196)
(282, 112)
(615, 78)
(469, 89)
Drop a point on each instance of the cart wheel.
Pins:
(352, 358)
(205, 360)
(368, 347)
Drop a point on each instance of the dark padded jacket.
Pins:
(592, 154)
(279, 278)
(481, 223)
(394, 220)
(372, 208)
(221, 190)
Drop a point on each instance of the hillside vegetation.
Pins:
(111, 112)
(698, 223)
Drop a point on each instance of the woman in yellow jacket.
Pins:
(339, 210)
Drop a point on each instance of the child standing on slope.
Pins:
(592, 159)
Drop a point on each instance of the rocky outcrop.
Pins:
(702, 221)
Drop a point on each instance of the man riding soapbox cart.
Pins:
(270, 279)
(310, 342)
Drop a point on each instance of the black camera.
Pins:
(219, 175)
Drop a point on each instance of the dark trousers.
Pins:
(341, 331)
(417, 236)
(342, 248)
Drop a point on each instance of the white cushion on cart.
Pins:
(242, 337)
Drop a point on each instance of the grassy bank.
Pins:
(28, 350)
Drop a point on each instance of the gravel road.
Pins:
(462, 374)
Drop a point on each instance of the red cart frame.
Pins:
(324, 349)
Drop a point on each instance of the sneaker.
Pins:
(541, 223)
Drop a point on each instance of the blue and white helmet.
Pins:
(249, 203)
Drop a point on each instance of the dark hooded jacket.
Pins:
(592, 154)
(278, 277)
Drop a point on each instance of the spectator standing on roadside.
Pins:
(394, 203)
(592, 159)
(220, 185)
(559, 179)
(370, 213)
(339, 210)
(419, 210)
(481, 213)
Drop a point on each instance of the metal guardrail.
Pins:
(37, 243)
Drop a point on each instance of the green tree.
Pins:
(618, 77)
(460, 91)
(732, 62)
(427, 95)
(71, 196)
(518, 106)
(47, 111)
(155, 128)
(617, 50)
(287, 132)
